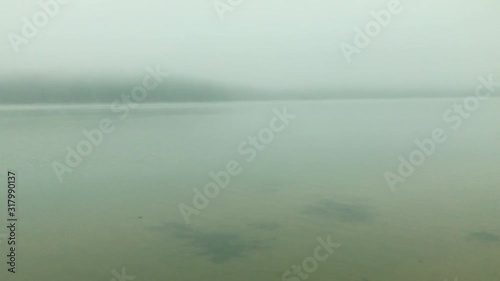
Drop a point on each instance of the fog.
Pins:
(224, 140)
(291, 44)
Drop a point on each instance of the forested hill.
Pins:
(53, 91)
(42, 91)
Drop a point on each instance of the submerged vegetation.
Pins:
(483, 237)
(218, 247)
(340, 211)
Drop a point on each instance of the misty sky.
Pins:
(264, 43)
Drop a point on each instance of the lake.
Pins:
(317, 176)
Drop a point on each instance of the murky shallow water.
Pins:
(322, 175)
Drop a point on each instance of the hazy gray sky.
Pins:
(265, 43)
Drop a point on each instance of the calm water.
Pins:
(323, 175)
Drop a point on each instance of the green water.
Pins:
(323, 175)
